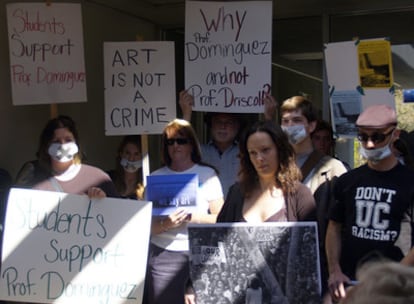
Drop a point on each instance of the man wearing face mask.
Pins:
(371, 202)
(298, 120)
(319, 171)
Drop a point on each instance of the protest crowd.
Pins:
(248, 205)
(259, 193)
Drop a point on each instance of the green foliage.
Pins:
(405, 112)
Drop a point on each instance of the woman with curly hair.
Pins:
(269, 187)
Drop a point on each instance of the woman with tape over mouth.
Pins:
(58, 166)
(127, 175)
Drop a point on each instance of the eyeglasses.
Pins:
(376, 137)
(179, 141)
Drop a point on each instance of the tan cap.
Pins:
(377, 116)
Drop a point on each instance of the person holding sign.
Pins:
(168, 266)
(269, 188)
(127, 175)
(319, 171)
(370, 203)
(59, 166)
(222, 150)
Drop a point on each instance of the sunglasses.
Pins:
(376, 137)
(179, 141)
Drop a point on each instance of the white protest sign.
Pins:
(46, 53)
(66, 248)
(140, 95)
(228, 53)
(359, 75)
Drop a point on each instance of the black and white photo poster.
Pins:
(245, 263)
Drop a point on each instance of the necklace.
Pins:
(275, 192)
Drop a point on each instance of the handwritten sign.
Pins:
(139, 87)
(228, 50)
(64, 248)
(46, 53)
(359, 75)
(169, 192)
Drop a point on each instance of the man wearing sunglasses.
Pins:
(371, 202)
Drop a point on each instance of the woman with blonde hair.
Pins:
(168, 266)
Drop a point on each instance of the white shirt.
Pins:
(209, 189)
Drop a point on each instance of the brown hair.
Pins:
(183, 128)
(288, 172)
(46, 137)
(322, 125)
(118, 177)
(300, 103)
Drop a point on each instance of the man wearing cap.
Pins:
(370, 202)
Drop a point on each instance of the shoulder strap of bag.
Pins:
(310, 163)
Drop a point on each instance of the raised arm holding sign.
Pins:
(168, 263)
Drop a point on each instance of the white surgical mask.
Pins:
(63, 152)
(131, 166)
(375, 155)
(378, 154)
(296, 133)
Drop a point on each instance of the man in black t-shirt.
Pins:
(371, 202)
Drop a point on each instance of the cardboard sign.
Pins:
(140, 95)
(170, 192)
(228, 53)
(46, 53)
(359, 75)
(277, 262)
(65, 248)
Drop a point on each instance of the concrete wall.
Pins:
(20, 126)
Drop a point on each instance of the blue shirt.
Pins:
(227, 163)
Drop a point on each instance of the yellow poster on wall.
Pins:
(375, 68)
(359, 74)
